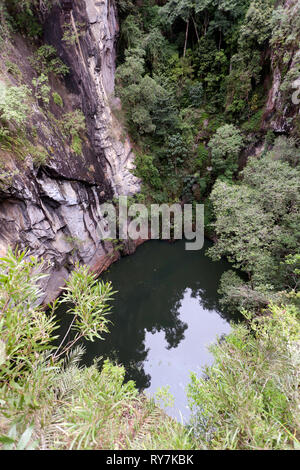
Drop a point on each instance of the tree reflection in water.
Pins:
(151, 286)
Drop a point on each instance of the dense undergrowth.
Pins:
(194, 78)
(47, 401)
(248, 400)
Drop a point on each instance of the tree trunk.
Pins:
(186, 36)
(196, 30)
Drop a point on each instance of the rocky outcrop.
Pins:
(92, 60)
(54, 209)
(282, 114)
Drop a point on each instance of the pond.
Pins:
(165, 314)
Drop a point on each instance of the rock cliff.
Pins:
(54, 209)
(282, 113)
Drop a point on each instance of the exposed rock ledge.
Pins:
(54, 211)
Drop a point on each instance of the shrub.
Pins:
(42, 88)
(6, 178)
(70, 35)
(13, 69)
(72, 125)
(23, 16)
(74, 122)
(47, 400)
(14, 103)
(57, 99)
(45, 61)
(225, 147)
(254, 122)
(39, 154)
(26, 330)
(146, 169)
(250, 396)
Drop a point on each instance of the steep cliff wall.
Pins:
(282, 113)
(53, 208)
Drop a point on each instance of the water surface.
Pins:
(164, 316)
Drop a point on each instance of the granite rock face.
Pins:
(92, 60)
(54, 210)
(282, 111)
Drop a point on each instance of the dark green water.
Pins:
(165, 314)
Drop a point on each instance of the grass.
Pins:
(82, 408)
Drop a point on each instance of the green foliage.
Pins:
(131, 33)
(23, 16)
(286, 149)
(13, 69)
(57, 99)
(141, 96)
(14, 103)
(13, 442)
(6, 178)
(257, 226)
(146, 169)
(251, 398)
(25, 331)
(202, 156)
(45, 61)
(72, 35)
(185, 58)
(47, 402)
(285, 32)
(176, 151)
(254, 123)
(72, 125)
(42, 88)
(257, 28)
(225, 147)
(74, 122)
(124, 5)
(90, 299)
(236, 294)
(38, 154)
(196, 94)
(76, 144)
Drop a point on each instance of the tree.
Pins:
(257, 27)
(257, 225)
(182, 9)
(147, 104)
(225, 147)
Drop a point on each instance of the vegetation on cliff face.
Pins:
(29, 91)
